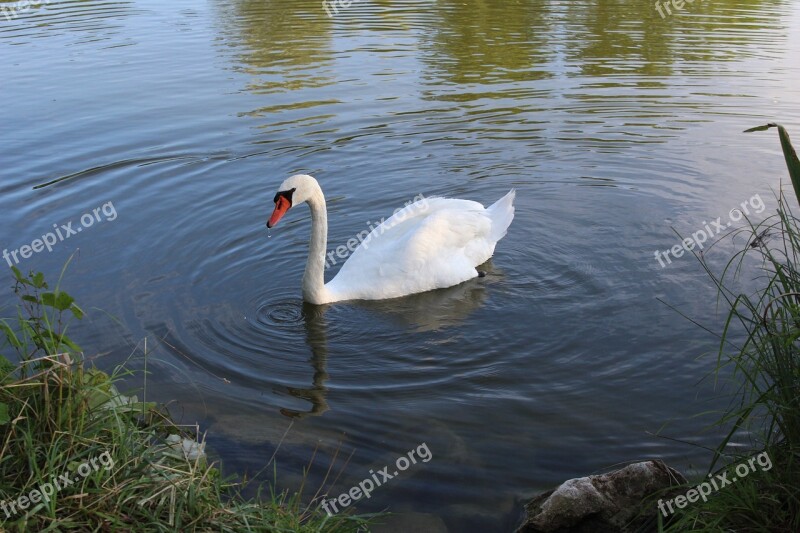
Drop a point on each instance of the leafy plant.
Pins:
(57, 416)
(41, 325)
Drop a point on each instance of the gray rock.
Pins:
(613, 502)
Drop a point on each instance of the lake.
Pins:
(162, 130)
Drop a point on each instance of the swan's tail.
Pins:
(502, 213)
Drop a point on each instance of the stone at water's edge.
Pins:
(613, 502)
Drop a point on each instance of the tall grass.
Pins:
(759, 349)
(131, 468)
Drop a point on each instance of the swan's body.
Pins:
(430, 244)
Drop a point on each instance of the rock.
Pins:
(188, 449)
(613, 502)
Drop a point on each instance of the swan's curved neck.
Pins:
(314, 290)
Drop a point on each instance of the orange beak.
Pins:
(281, 206)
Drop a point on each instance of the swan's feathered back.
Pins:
(432, 243)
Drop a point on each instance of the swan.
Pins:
(432, 243)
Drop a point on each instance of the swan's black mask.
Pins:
(283, 201)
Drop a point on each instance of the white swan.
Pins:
(430, 244)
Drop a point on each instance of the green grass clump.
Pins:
(760, 349)
(130, 468)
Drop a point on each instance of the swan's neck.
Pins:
(314, 290)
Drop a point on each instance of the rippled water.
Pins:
(614, 125)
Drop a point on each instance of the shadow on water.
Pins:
(417, 313)
(432, 310)
(317, 340)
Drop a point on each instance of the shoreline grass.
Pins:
(77, 455)
(760, 346)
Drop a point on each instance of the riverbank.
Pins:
(751, 483)
(77, 454)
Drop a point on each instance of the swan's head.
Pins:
(293, 191)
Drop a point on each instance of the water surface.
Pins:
(613, 124)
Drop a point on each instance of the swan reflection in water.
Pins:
(434, 310)
(424, 312)
(316, 338)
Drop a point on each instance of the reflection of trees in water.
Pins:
(482, 41)
(630, 37)
(499, 40)
(283, 42)
(624, 38)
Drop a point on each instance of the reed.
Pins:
(760, 354)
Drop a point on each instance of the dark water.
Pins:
(614, 125)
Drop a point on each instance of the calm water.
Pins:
(614, 125)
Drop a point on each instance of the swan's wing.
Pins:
(433, 243)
